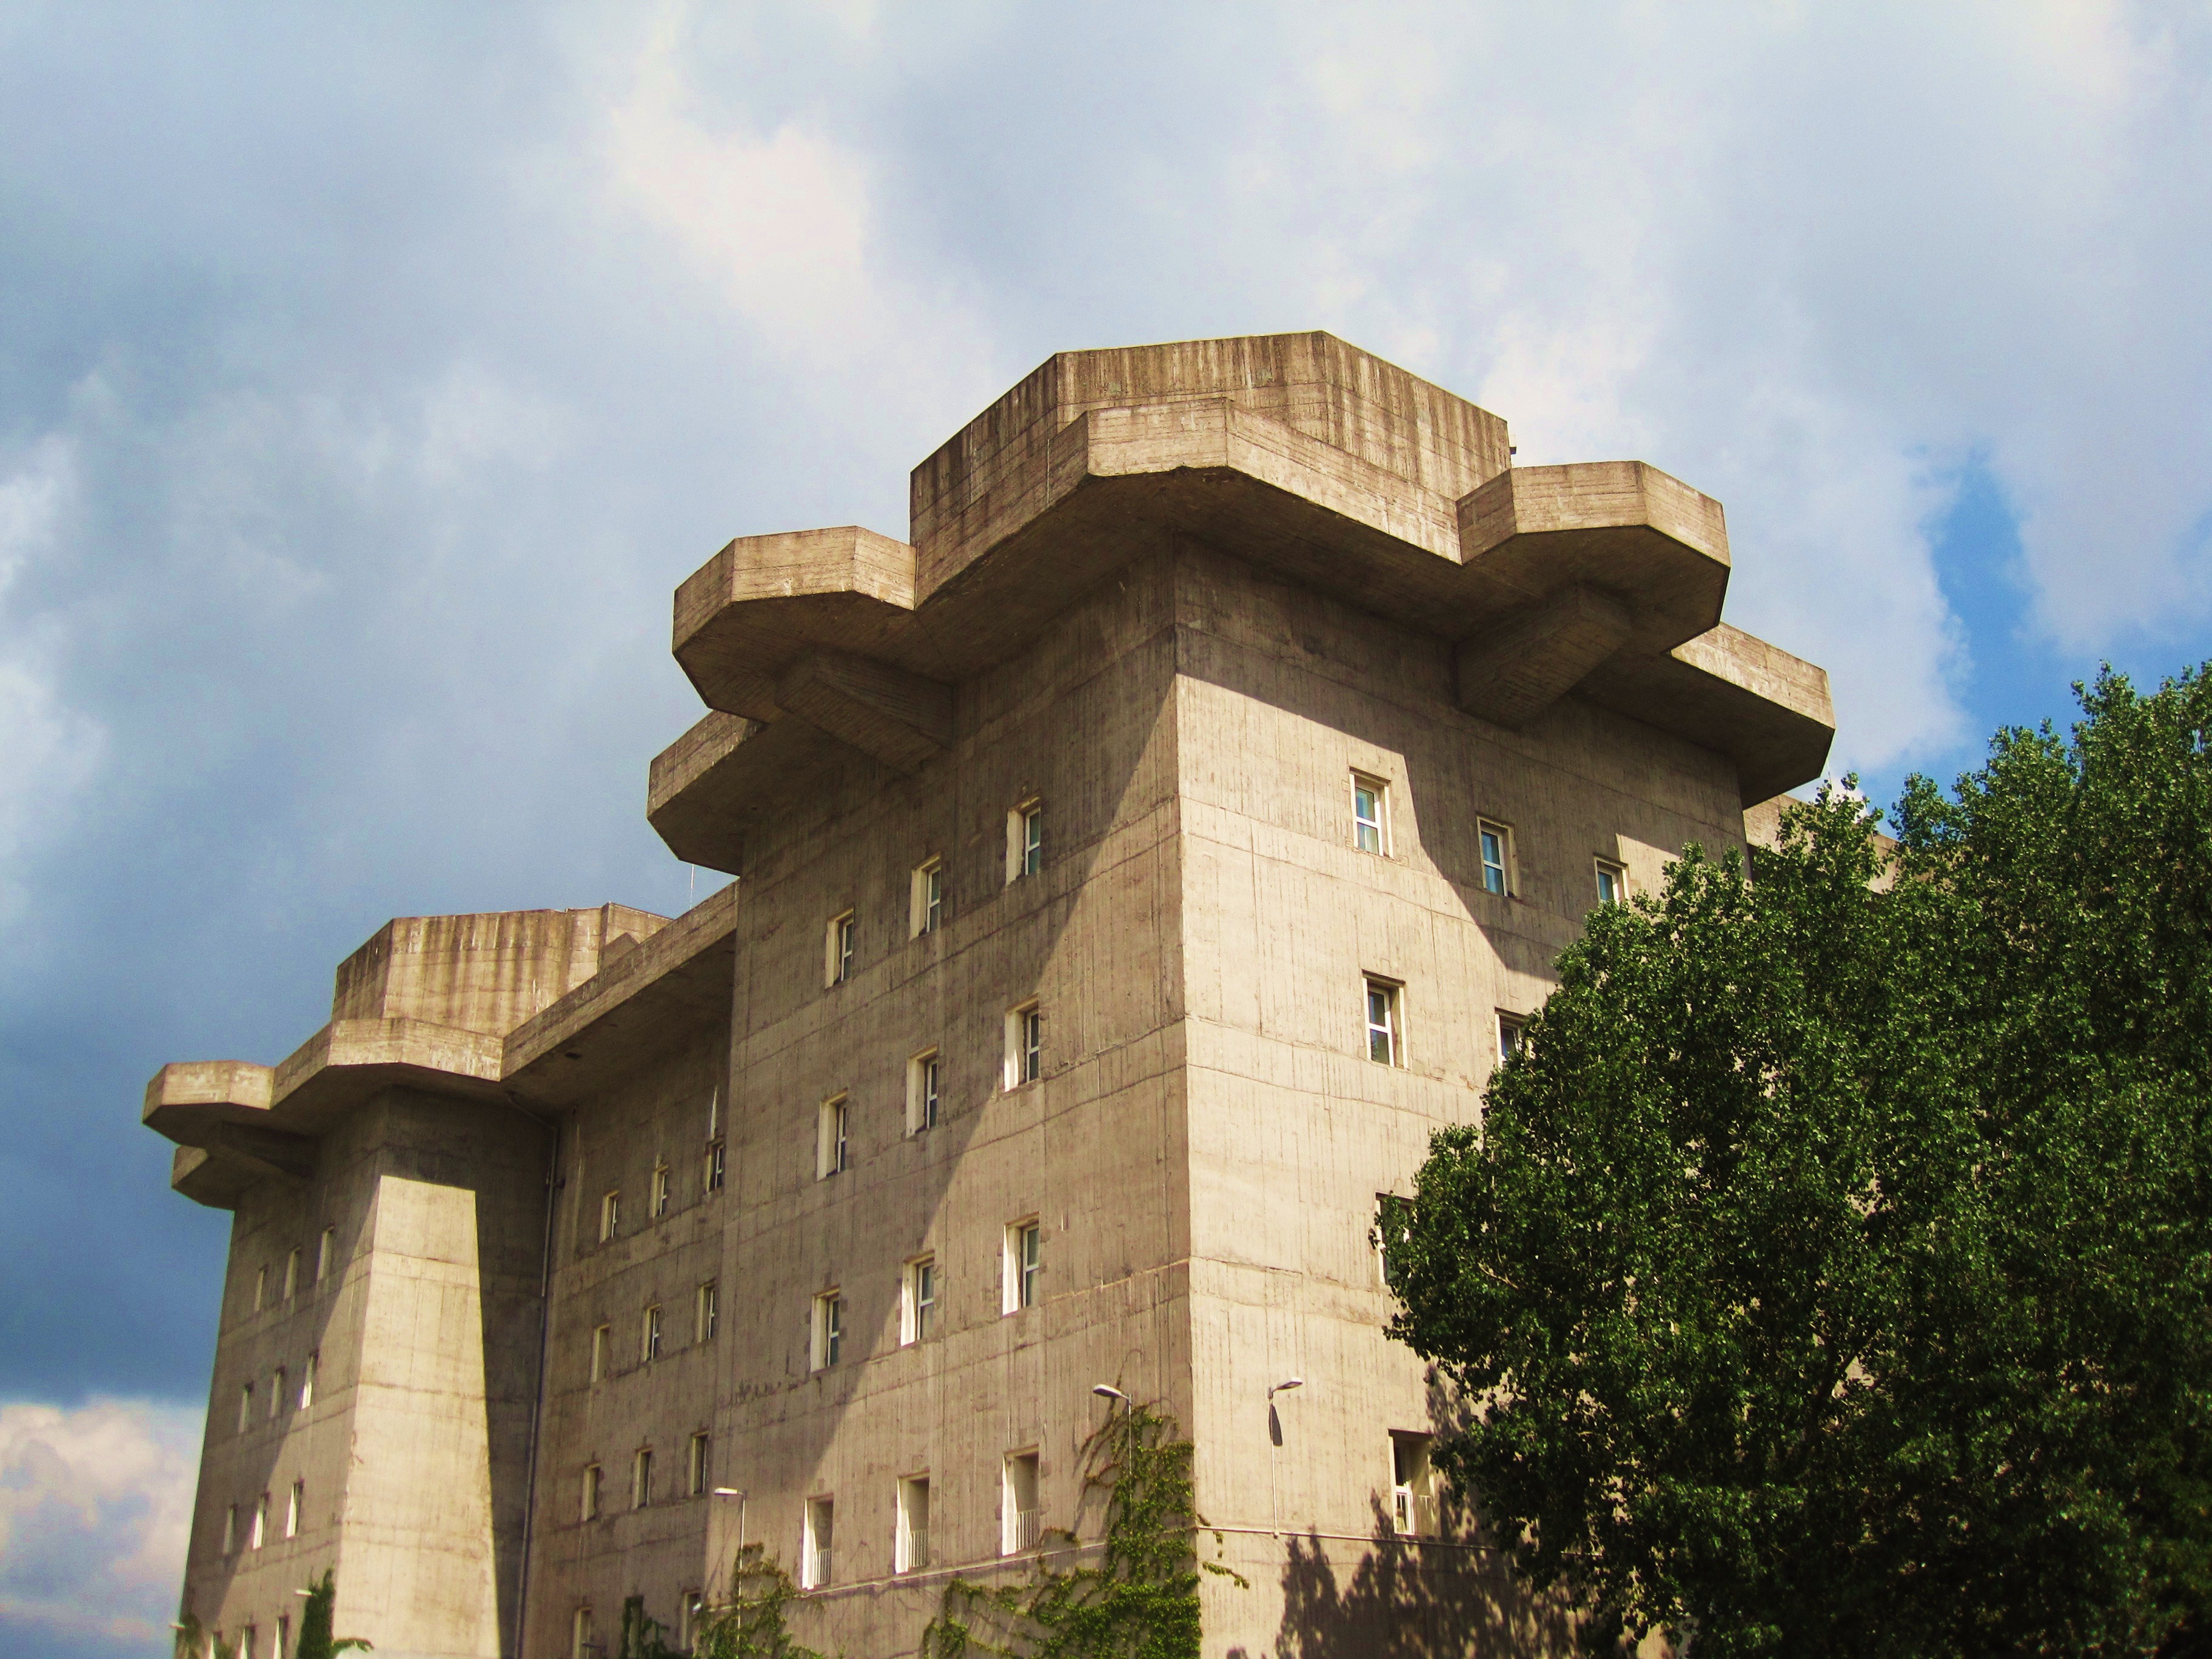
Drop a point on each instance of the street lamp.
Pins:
(1274, 1443)
(1108, 1391)
(731, 1491)
(1284, 1388)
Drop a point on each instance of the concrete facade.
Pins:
(1186, 810)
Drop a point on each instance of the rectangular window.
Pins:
(260, 1289)
(1369, 801)
(603, 1341)
(648, 1346)
(1025, 1264)
(590, 1511)
(924, 1078)
(1611, 883)
(1024, 840)
(276, 1392)
(829, 1143)
(1024, 1045)
(706, 1315)
(837, 950)
(694, 1618)
(307, 1379)
(926, 902)
(609, 1216)
(660, 1185)
(259, 1535)
(716, 1153)
(828, 1329)
(1386, 1037)
(1390, 1225)
(582, 1644)
(1509, 1027)
(244, 1407)
(814, 1546)
(910, 1548)
(699, 1465)
(1496, 840)
(918, 1302)
(1019, 1516)
(326, 1249)
(1413, 1488)
(292, 1274)
(284, 1636)
(249, 1643)
(292, 1509)
(640, 1478)
(230, 1529)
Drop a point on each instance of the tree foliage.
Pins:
(750, 1623)
(1832, 1271)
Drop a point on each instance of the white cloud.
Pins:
(95, 1511)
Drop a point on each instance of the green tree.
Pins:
(1832, 1271)
(750, 1623)
(316, 1641)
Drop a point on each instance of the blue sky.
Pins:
(369, 377)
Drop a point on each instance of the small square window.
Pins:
(1019, 1516)
(926, 902)
(828, 1329)
(924, 1075)
(814, 1546)
(1370, 830)
(1386, 1037)
(1024, 1266)
(837, 950)
(649, 1348)
(1509, 1029)
(917, 1309)
(1611, 883)
(1024, 840)
(590, 1509)
(609, 1216)
(1496, 840)
(829, 1137)
(640, 1478)
(699, 1465)
(706, 1315)
(661, 1189)
(1024, 1045)
(602, 1350)
(717, 1155)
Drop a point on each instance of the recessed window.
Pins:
(230, 1529)
(581, 1643)
(918, 1301)
(829, 1142)
(1024, 1044)
(590, 1508)
(706, 1314)
(1024, 840)
(694, 1618)
(828, 1329)
(1370, 830)
(924, 1075)
(260, 1289)
(276, 1392)
(660, 1193)
(1496, 842)
(700, 1464)
(1386, 1037)
(603, 1341)
(910, 1548)
(307, 1379)
(245, 1406)
(926, 900)
(259, 1534)
(1390, 1228)
(1023, 1267)
(1511, 1027)
(1611, 883)
(814, 1546)
(1019, 1516)
(291, 1275)
(717, 1152)
(609, 1216)
(326, 1253)
(1413, 1488)
(293, 1507)
(648, 1348)
(837, 949)
(640, 1478)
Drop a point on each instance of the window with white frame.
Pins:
(1024, 1269)
(910, 1548)
(649, 1344)
(1413, 1487)
(924, 1075)
(1511, 1027)
(1386, 1023)
(1496, 842)
(1020, 1517)
(1371, 822)
(700, 1464)
(815, 1542)
(918, 1301)
(260, 1289)
(249, 1643)
(640, 1478)
(230, 1529)
(292, 1274)
(1024, 1044)
(926, 898)
(245, 1406)
(706, 1312)
(326, 1250)
(830, 1122)
(610, 1215)
(307, 1379)
(837, 944)
(661, 1189)
(293, 1507)
(582, 1644)
(694, 1618)
(589, 1506)
(829, 1333)
(603, 1342)
(717, 1158)
(259, 1534)
(277, 1390)
(1611, 882)
(1024, 840)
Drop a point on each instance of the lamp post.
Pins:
(1274, 1445)
(1108, 1391)
(731, 1491)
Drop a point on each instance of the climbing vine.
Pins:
(751, 1624)
(1137, 1600)
(194, 1641)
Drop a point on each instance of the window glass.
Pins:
(1493, 858)
(1366, 814)
(1031, 1263)
(1382, 1046)
(1032, 840)
(1611, 884)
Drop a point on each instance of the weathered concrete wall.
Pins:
(482, 973)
